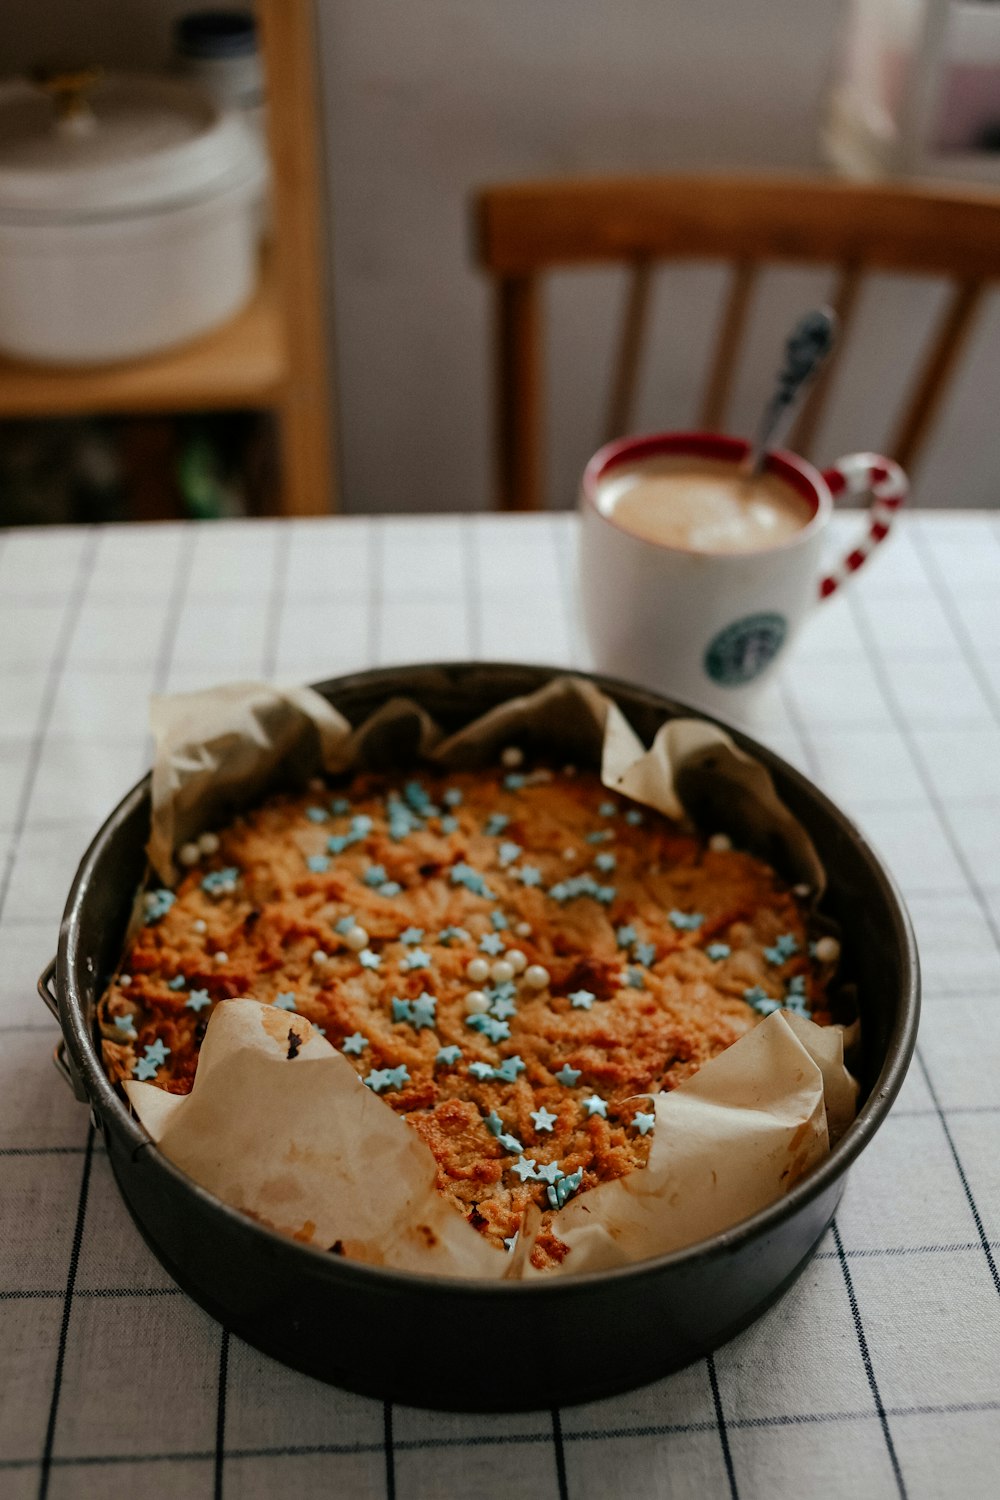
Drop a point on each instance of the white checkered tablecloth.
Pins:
(878, 1374)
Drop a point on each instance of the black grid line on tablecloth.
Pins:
(721, 1406)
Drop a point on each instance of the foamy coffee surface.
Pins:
(702, 505)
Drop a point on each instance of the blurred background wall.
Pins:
(424, 102)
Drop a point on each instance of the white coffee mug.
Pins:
(710, 627)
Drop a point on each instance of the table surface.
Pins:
(879, 1372)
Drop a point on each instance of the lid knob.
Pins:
(70, 90)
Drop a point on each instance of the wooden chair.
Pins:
(526, 229)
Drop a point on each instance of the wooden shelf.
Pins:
(241, 364)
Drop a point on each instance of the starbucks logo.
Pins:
(741, 651)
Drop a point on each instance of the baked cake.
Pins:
(513, 958)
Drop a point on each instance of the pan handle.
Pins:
(62, 1063)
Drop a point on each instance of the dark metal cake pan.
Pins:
(433, 1341)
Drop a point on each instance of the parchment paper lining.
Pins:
(278, 1123)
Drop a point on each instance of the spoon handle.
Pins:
(808, 345)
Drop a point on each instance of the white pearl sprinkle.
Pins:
(516, 959)
(523, 929)
(512, 757)
(478, 970)
(536, 977)
(476, 1003)
(501, 971)
(802, 891)
(827, 950)
(124, 980)
(720, 842)
(319, 958)
(201, 925)
(189, 854)
(220, 957)
(356, 938)
(569, 854)
(209, 843)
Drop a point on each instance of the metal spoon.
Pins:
(809, 343)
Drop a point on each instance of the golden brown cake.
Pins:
(513, 959)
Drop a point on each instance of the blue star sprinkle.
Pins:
(369, 960)
(345, 925)
(158, 1052)
(550, 1172)
(448, 1056)
(626, 936)
(286, 1000)
(156, 904)
(375, 876)
(529, 875)
(449, 823)
(504, 989)
(644, 953)
(452, 797)
(717, 951)
(337, 843)
(600, 836)
(543, 1119)
(400, 1009)
(797, 1005)
(787, 944)
(316, 814)
(221, 882)
(500, 923)
(565, 1188)
(318, 863)
(144, 1069)
(510, 1143)
(177, 983)
(497, 1031)
(481, 1070)
(197, 1000)
(124, 1023)
(605, 894)
(644, 1123)
(582, 999)
(361, 826)
(568, 1076)
(417, 797)
(391, 888)
(503, 1008)
(634, 978)
(424, 1011)
(607, 809)
(416, 959)
(340, 807)
(449, 935)
(760, 1000)
(509, 1069)
(595, 1105)
(493, 1123)
(508, 852)
(605, 862)
(355, 1043)
(495, 824)
(525, 1169)
(464, 874)
(797, 984)
(492, 943)
(411, 935)
(633, 817)
(514, 781)
(685, 921)
(387, 1078)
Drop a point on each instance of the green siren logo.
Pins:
(741, 651)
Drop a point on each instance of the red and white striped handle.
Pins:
(887, 488)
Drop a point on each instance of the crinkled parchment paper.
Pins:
(279, 1124)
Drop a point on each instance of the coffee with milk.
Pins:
(702, 504)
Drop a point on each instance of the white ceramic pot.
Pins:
(127, 219)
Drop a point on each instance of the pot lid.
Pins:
(84, 145)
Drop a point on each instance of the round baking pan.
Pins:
(459, 1344)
